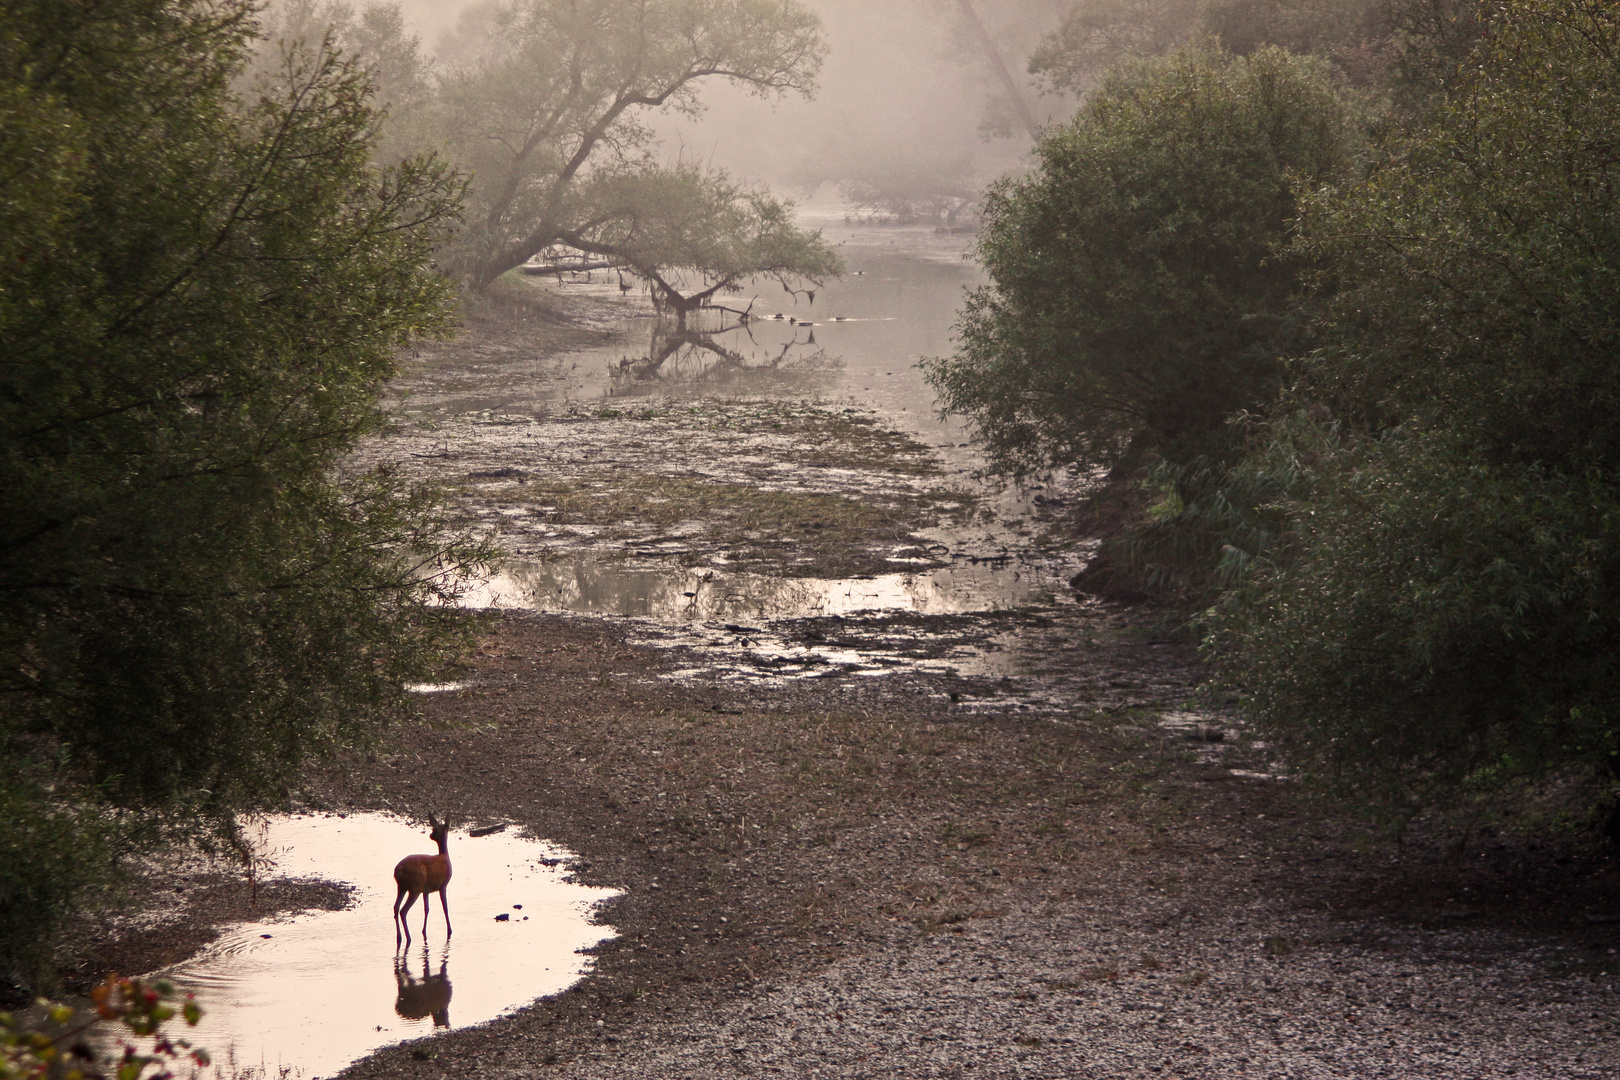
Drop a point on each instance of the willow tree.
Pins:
(201, 296)
(694, 235)
(551, 98)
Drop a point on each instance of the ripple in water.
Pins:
(305, 995)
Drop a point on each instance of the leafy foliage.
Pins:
(52, 1047)
(546, 105)
(375, 37)
(695, 234)
(1356, 35)
(201, 297)
(1097, 35)
(1206, 523)
(1138, 296)
(1447, 626)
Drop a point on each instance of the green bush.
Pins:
(1446, 626)
(1138, 293)
(1206, 524)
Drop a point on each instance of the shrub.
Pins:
(1447, 626)
(1138, 294)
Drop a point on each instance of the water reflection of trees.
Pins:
(586, 585)
(419, 998)
(714, 349)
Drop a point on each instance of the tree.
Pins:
(915, 186)
(696, 234)
(376, 37)
(1096, 35)
(992, 36)
(1139, 296)
(1445, 625)
(201, 297)
(1355, 34)
(1012, 98)
(547, 107)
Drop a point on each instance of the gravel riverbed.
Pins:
(1066, 863)
(869, 880)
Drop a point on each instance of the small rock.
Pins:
(503, 917)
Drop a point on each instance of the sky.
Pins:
(893, 95)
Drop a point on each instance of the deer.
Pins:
(420, 875)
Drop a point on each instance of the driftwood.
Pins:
(569, 268)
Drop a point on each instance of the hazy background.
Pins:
(901, 92)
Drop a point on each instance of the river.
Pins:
(775, 439)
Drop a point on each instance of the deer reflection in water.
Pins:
(424, 997)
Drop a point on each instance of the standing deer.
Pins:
(419, 875)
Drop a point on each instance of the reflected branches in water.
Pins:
(710, 354)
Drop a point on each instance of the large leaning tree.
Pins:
(695, 235)
(201, 296)
(551, 103)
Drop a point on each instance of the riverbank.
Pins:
(1004, 835)
(1031, 861)
(869, 879)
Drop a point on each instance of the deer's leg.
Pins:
(427, 907)
(397, 898)
(404, 914)
(444, 905)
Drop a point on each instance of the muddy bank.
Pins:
(1000, 838)
(869, 879)
(1003, 840)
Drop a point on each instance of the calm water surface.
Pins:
(859, 342)
(305, 995)
(894, 306)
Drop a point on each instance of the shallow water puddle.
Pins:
(305, 995)
(588, 586)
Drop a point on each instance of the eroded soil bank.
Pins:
(986, 843)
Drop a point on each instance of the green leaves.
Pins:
(1447, 628)
(202, 297)
(1141, 295)
(547, 103)
(695, 233)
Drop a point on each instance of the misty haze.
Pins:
(905, 538)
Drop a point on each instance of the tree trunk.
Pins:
(987, 44)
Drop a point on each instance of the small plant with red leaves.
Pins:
(53, 1046)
